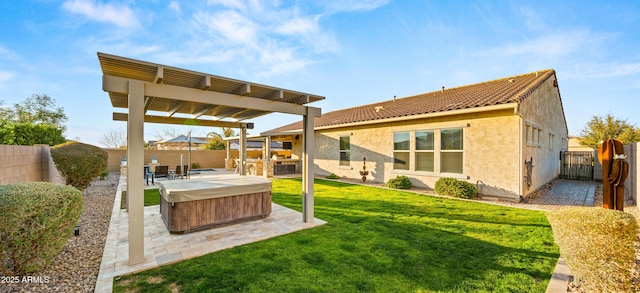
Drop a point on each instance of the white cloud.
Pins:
(238, 4)
(231, 25)
(8, 54)
(554, 45)
(336, 6)
(121, 16)
(175, 6)
(532, 19)
(261, 38)
(602, 70)
(299, 26)
(5, 76)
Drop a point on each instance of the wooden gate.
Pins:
(577, 165)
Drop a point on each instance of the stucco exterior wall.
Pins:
(542, 110)
(490, 156)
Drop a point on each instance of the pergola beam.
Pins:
(183, 121)
(243, 89)
(202, 111)
(119, 85)
(206, 82)
(159, 75)
(147, 103)
(174, 109)
(274, 95)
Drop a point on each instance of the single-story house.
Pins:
(503, 135)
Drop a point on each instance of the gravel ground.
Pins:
(76, 268)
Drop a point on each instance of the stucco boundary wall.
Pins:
(27, 164)
(631, 184)
(171, 158)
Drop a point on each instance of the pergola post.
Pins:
(135, 176)
(226, 162)
(307, 166)
(267, 156)
(242, 151)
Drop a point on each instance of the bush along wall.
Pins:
(79, 163)
(399, 182)
(455, 187)
(36, 220)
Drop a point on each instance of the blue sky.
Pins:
(351, 52)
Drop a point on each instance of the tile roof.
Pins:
(513, 89)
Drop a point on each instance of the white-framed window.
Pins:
(424, 154)
(401, 150)
(533, 135)
(432, 151)
(552, 139)
(345, 150)
(451, 150)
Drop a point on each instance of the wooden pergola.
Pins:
(157, 93)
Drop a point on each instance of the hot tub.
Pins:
(191, 205)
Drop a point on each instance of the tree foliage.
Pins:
(215, 142)
(599, 129)
(38, 109)
(36, 121)
(21, 133)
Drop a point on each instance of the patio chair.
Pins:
(162, 172)
(179, 171)
(148, 174)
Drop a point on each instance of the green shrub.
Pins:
(36, 220)
(195, 166)
(22, 133)
(333, 176)
(400, 182)
(597, 244)
(79, 163)
(455, 187)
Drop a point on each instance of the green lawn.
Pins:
(151, 198)
(376, 240)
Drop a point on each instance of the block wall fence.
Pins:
(27, 164)
(171, 158)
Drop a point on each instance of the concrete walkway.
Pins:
(567, 193)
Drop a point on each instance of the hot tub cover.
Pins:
(219, 186)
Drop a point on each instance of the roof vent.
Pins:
(378, 108)
(394, 98)
(443, 88)
(536, 74)
(511, 80)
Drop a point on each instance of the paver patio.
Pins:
(162, 248)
